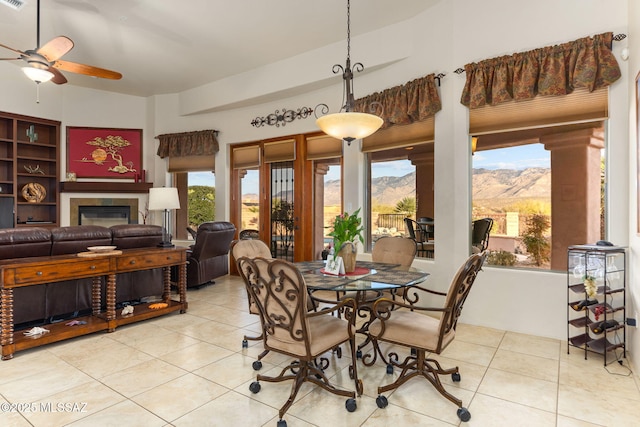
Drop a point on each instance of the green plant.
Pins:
(533, 238)
(501, 257)
(202, 204)
(406, 206)
(346, 228)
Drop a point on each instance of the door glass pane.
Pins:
(282, 210)
(250, 197)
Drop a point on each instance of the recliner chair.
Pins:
(209, 257)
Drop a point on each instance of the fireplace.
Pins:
(105, 216)
(103, 211)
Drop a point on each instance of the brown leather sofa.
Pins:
(62, 300)
(209, 256)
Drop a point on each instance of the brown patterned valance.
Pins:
(198, 143)
(554, 70)
(411, 102)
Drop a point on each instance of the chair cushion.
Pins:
(411, 329)
(325, 333)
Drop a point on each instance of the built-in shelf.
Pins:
(105, 187)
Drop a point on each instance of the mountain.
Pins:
(511, 183)
(488, 184)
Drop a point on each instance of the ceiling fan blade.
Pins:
(58, 77)
(12, 49)
(88, 70)
(9, 59)
(55, 48)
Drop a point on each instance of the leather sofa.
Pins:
(209, 255)
(62, 300)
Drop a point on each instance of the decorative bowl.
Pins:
(101, 248)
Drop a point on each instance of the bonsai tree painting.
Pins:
(111, 146)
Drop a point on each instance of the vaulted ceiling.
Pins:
(163, 46)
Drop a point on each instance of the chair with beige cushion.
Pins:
(251, 248)
(280, 294)
(423, 333)
(390, 250)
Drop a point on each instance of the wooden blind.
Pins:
(247, 157)
(323, 147)
(280, 151)
(400, 136)
(192, 163)
(580, 106)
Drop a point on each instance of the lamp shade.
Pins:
(349, 125)
(162, 198)
(38, 75)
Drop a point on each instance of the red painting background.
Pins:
(78, 149)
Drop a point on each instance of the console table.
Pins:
(39, 270)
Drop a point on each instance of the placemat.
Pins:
(395, 277)
(376, 265)
(309, 265)
(319, 281)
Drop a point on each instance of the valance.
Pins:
(198, 143)
(554, 70)
(411, 102)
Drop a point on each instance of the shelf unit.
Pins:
(596, 319)
(29, 153)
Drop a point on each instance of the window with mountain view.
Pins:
(544, 190)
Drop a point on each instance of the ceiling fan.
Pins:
(45, 63)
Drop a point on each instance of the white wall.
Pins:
(443, 38)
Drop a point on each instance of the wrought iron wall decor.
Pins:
(282, 118)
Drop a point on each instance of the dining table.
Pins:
(367, 282)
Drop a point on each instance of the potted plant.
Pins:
(346, 229)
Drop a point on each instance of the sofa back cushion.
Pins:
(128, 236)
(77, 238)
(24, 242)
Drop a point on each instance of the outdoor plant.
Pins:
(501, 257)
(346, 228)
(533, 238)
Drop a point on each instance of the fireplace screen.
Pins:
(105, 216)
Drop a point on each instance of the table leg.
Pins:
(182, 286)
(111, 301)
(96, 302)
(166, 280)
(6, 323)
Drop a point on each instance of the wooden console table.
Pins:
(17, 273)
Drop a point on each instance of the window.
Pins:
(543, 188)
(401, 186)
(197, 192)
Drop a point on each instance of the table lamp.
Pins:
(164, 198)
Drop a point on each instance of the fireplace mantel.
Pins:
(105, 187)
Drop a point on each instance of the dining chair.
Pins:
(419, 235)
(423, 334)
(280, 294)
(389, 250)
(252, 248)
(480, 230)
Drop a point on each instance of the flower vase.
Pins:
(348, 252)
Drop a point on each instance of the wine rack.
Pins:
(596, 299)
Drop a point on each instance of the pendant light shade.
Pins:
(348, 125)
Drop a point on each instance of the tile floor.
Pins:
(190, 370)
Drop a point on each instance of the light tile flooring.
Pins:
(190, 370)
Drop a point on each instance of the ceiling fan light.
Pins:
(37, 75)
(349, 125)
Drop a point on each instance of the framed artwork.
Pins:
(104, 152)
